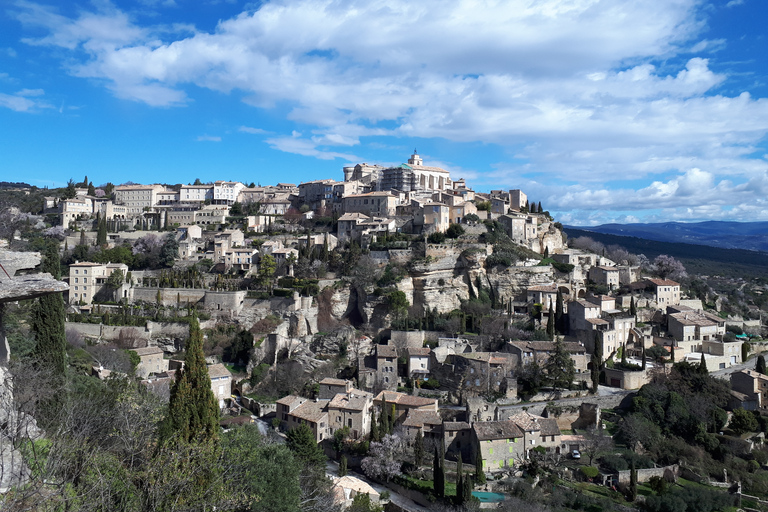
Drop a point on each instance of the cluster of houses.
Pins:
(501, 442)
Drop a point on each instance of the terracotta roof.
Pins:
(688, 318)
(662, 282)
(489, 430)
(403, 399)
(531, 423)
(419, 351)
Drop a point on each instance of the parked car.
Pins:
(575, 454)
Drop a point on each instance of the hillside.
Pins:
(698, 259)
(728, 235)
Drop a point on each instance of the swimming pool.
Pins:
(488, 497)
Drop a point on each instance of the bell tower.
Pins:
(415, 159)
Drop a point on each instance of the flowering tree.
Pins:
(668, 267)
(384, 459)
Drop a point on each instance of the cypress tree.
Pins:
(633, 483)
(551, 323)
(418, 448)
(703, 365)
(632, 307)
(672, 352)
(374, 427)
(343, 465)
(760, 364)
(479, 473)
(559, 315)
(540, 210)
(459, 482)
(438, 468)
(391, 422)
(48, 322)
(624, 354)
(595, 374)
(644, 357)
(101, 233)
(193, 413)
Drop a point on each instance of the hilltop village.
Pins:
(397, 303)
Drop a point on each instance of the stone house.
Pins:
(403, 403)
(483, 372)
(537, 431)
(87, 280)
(428, 422)
(418, 362)
(500, 444)
(347, 225)
(753, 385)
(330, 387)
(350, 409)
(457, 440)
(152, 361)
(434, 217)
(685, 324)
(539, 351)
(226, 192)
(666, 292)
(380, 204)
(386, 366)
(626, 379)
(293, 411)
(546, 295)
(606, 276)
(221, 383)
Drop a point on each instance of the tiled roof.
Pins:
(386, 351)
(403, 399)
(663, 282)
(218, 370)
(531, 423)
(311, 410)
(355, 400)
(148, 351)
(550, 288)
(291, 400)
(333, 382)
(419, 351)
(456, 425)
(490, 430)
(419, 418)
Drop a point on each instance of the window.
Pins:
(75, 279)
(85, 279)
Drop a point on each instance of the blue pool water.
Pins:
(488, 497)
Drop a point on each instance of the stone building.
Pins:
(500, 444)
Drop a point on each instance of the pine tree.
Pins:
(559, 313)
(48, 320)
(703, 365)
(193, 413)
(551, 323)
(760, 364)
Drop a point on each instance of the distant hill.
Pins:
(14, 184)
(698, 259)
(752, 236)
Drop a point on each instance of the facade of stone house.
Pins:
(666, 292)
(152, 361)
(500, 444)
(386, 366)
(606, 276)
(752, 384)
(350, 409)
(418, 362)
(537, 431)
(221, 382)
(457, 440)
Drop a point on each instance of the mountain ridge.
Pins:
(723, 234)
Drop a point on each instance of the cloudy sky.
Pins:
(603, 110)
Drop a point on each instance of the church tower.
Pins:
(415, 159)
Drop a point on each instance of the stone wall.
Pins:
(154, 330)
(169, 296)
(643, 475)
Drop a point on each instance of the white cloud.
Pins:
(584, 91)
(17, 103)
(30, 92)
(255, 131)
(734, 3)
(208, 138)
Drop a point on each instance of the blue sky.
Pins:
(603, 110)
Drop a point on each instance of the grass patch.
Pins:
(235, 368)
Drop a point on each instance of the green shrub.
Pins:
(590, 471)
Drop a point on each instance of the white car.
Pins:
(575, 454)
